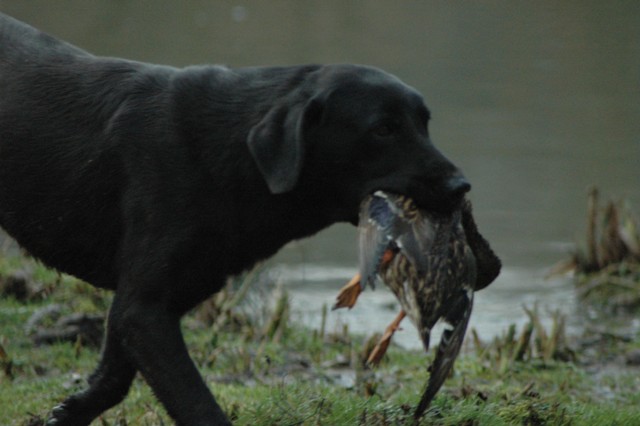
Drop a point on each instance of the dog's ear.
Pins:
(277, 142)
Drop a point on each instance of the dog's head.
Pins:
(346, 131)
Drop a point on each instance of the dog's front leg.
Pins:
(153, 341)
(108, 385)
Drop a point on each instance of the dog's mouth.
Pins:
(441, 196)
(427, 200)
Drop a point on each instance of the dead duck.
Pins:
(432, 262)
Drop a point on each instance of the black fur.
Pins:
(158, 183)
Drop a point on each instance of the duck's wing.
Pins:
(391, 222)
(487, 262)
(376, 221)
(450, 344)
(415, 238)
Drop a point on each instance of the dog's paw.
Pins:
(61, 416)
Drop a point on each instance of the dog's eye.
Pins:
(424, 115)
(384, 130)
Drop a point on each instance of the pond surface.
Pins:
(535, 101)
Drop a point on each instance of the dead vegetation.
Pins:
(533, 343)
(607, 268)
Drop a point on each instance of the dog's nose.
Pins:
(457, 186)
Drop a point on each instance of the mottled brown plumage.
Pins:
(432, 262)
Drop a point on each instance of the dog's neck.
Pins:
(276, 219)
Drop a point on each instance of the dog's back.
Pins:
(19, 41)
(61, 171)
(80, 135)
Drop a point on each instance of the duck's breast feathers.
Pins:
(393, 221)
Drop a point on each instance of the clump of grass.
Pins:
(533, 343)
(613, 236)
(278, 323)
(220, 312)
(607, 269)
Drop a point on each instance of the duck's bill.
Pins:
(448, 350)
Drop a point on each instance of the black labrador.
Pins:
(158, 183)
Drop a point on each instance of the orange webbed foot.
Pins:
(381, 348)
(348, 295)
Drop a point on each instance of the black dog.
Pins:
(158, 183)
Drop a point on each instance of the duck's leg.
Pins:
(349, 294)
(381, 348)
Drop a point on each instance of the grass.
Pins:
(266, 370)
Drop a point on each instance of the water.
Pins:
(535, 101)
